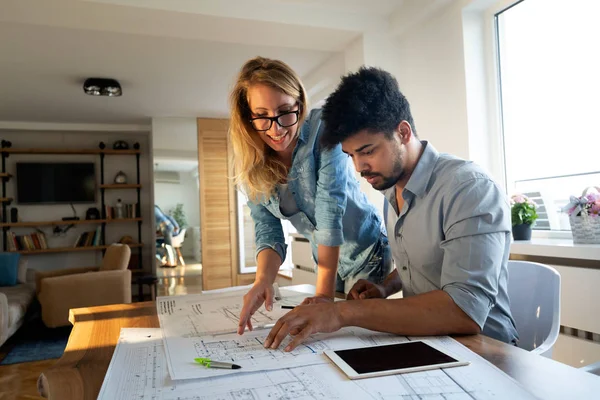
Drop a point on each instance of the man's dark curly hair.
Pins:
(368, 99)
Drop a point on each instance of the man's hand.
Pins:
(318, 299)
(303, 321)
(261, 292)
(364, 289)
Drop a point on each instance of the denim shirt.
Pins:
(333, 211)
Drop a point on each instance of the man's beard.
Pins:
(387, 181)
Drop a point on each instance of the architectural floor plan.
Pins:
(138, 371)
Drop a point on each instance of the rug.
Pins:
(35, 342)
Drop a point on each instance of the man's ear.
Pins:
(404, 132)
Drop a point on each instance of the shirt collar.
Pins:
(304, 131)
(419, 180)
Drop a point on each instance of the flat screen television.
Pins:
(54, 183)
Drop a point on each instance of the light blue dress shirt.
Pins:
(453, 233)
(332, 210)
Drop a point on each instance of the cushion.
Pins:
(9, 265)
(116, 257)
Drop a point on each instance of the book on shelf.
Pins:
(33, 241)
(89, 238)
(130, 210)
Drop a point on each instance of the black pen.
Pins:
(288, 307)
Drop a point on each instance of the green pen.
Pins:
(208, 363)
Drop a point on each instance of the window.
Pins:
(549, 73)
(247, 246)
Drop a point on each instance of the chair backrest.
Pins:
(534, 293)
(116, 257)
(177, 241)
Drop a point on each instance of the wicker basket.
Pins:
(585, 228)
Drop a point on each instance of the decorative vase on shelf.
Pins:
(119, 210)
(521, 232)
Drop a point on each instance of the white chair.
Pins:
(534, 293)
(592, 368)
(177, 242)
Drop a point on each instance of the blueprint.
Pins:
(138, 371)
(197, 314)
(188, 329)
(248, 351)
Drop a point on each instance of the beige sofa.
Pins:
(15, 300)
(63, 289)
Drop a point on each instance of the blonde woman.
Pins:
(284, 172)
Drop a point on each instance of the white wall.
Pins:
(175, 143)
(113, 164)
(176, 137)
(168, 195)
(354, 55)
(320, 82)
(432, 77)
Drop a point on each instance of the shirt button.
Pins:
(405, 268)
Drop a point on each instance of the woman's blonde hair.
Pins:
(257, 170)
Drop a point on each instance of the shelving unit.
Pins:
(73, 249)
(137, 186)
(6, 150)
(77, 222)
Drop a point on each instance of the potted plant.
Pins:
(523, 214)
(179, 215)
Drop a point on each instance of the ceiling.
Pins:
(175, 58)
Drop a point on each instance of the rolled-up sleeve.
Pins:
(477, 219)
(330, 202)
(268, 232)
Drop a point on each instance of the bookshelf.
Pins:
(73, 249)
(102, 223)
(78, 222)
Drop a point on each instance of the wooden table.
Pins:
(79, 373)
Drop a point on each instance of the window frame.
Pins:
(494, 82)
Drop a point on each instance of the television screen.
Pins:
(56, 183)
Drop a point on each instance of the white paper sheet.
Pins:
(138, 371)
(205, 326)
(199, 314)
(248, 351)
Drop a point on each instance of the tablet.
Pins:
(391, 359)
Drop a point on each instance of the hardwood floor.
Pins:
(173, 286)
(19, 381)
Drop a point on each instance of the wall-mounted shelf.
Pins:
(121, 186)
(71, 249)
(76, 222)
(69, 151)
(6, 150)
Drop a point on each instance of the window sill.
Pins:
(285, 273)
(558, 248)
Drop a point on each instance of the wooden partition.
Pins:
(218, 208)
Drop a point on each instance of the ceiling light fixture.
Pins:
(102, 87)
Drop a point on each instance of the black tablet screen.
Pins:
(394, 356)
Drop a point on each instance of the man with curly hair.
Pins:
(448, 225)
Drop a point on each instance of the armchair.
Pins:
(60, 290)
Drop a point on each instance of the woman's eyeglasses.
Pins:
(284, 120)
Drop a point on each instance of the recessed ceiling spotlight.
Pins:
(102, 87)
